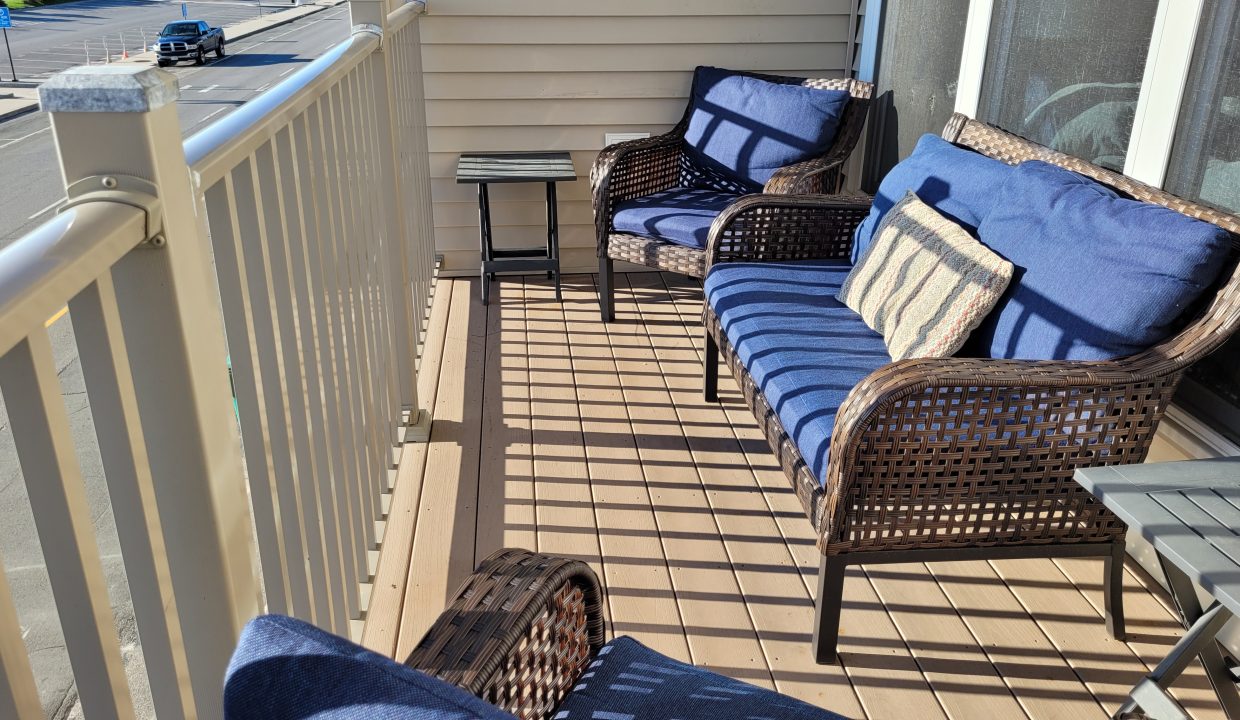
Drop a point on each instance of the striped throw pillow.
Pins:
(924, 284)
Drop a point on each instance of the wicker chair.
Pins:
(916, 472)
(520, 632)
(641, 167)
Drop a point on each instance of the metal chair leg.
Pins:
(710, 369)
(606, 288)
(827, 609)
(1114, 591)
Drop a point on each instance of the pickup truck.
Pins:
(188, 40)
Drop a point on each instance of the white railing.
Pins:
(313, 202)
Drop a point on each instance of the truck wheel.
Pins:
(162, 63)
(219, 50)
(201, 57)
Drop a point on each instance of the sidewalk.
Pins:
(20, 98)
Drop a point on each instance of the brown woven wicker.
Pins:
(964, 457)
(519, 634)
(641, 167)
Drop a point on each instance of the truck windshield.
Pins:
(181, 28)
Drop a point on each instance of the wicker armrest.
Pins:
(635, 168)
(818, 176)
(786, 227)
(942, 434)
(519, 633)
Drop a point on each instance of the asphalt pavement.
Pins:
(30, 187)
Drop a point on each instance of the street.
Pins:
(30, 187)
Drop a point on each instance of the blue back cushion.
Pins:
(1097, 276)
(959, 183)
(629, 681)
(284, 668)
(746, 128)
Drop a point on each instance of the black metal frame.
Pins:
(829, 602)
(518, 259)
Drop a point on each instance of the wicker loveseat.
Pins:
(963, 457)
(524, 638)
(641, 168)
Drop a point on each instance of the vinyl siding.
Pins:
(559, 74)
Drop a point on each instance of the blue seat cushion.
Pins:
(1097, 276)
(959, 183)
(284, 668)
(747, 128)
(804, 348)
(629, 681)
(680, 215)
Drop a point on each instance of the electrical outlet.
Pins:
(613, 138)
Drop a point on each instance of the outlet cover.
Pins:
(613, 138)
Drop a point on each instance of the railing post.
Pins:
(371, 15)
(119, 122)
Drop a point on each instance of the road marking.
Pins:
(49, 207)
(208, 89)
(263, 87)
(212, 114)
(25, 137)
(286, 72)
(52, 320)
(186, 87)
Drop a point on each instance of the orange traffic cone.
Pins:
(125, 54)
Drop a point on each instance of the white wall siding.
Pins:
(558, 74)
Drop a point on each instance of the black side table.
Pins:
(483, 169)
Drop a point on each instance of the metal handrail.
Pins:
(219, 147)
(50, 265)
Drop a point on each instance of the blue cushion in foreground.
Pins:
(960, 184)
(284, 669)
(1097, 276)
(680, 215)
(804, 348)
(747, 128)
(629, 681)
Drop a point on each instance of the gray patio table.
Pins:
(483, 169)
(1190, 512)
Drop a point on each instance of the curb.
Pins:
(18, 112)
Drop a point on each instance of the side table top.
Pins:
(499, 167)
(1189, 511)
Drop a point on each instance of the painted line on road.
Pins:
(262, 87)
(25, 137)
(52, 320)
(212, 114)
(208, 89)
(286, 72)
(46, 209)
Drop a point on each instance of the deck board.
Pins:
(556, 432)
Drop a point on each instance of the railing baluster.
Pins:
(338, 294)
(291, 392)
(113, 404)
(263, 492)
(292, 151)
(314, 174)
(19, 696)
(344, 249)
(63, 520)
(358, 252)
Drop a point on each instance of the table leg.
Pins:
(1200, 641)
(553, 235)
(484, 231)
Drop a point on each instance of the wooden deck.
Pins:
(558, 433)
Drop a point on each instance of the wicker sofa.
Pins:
(639, 168)
(963, 457)
(523, 638)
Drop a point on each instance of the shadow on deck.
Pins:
(558, 433)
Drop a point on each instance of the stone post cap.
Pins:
(109, 88)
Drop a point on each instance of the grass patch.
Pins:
(23, 4)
